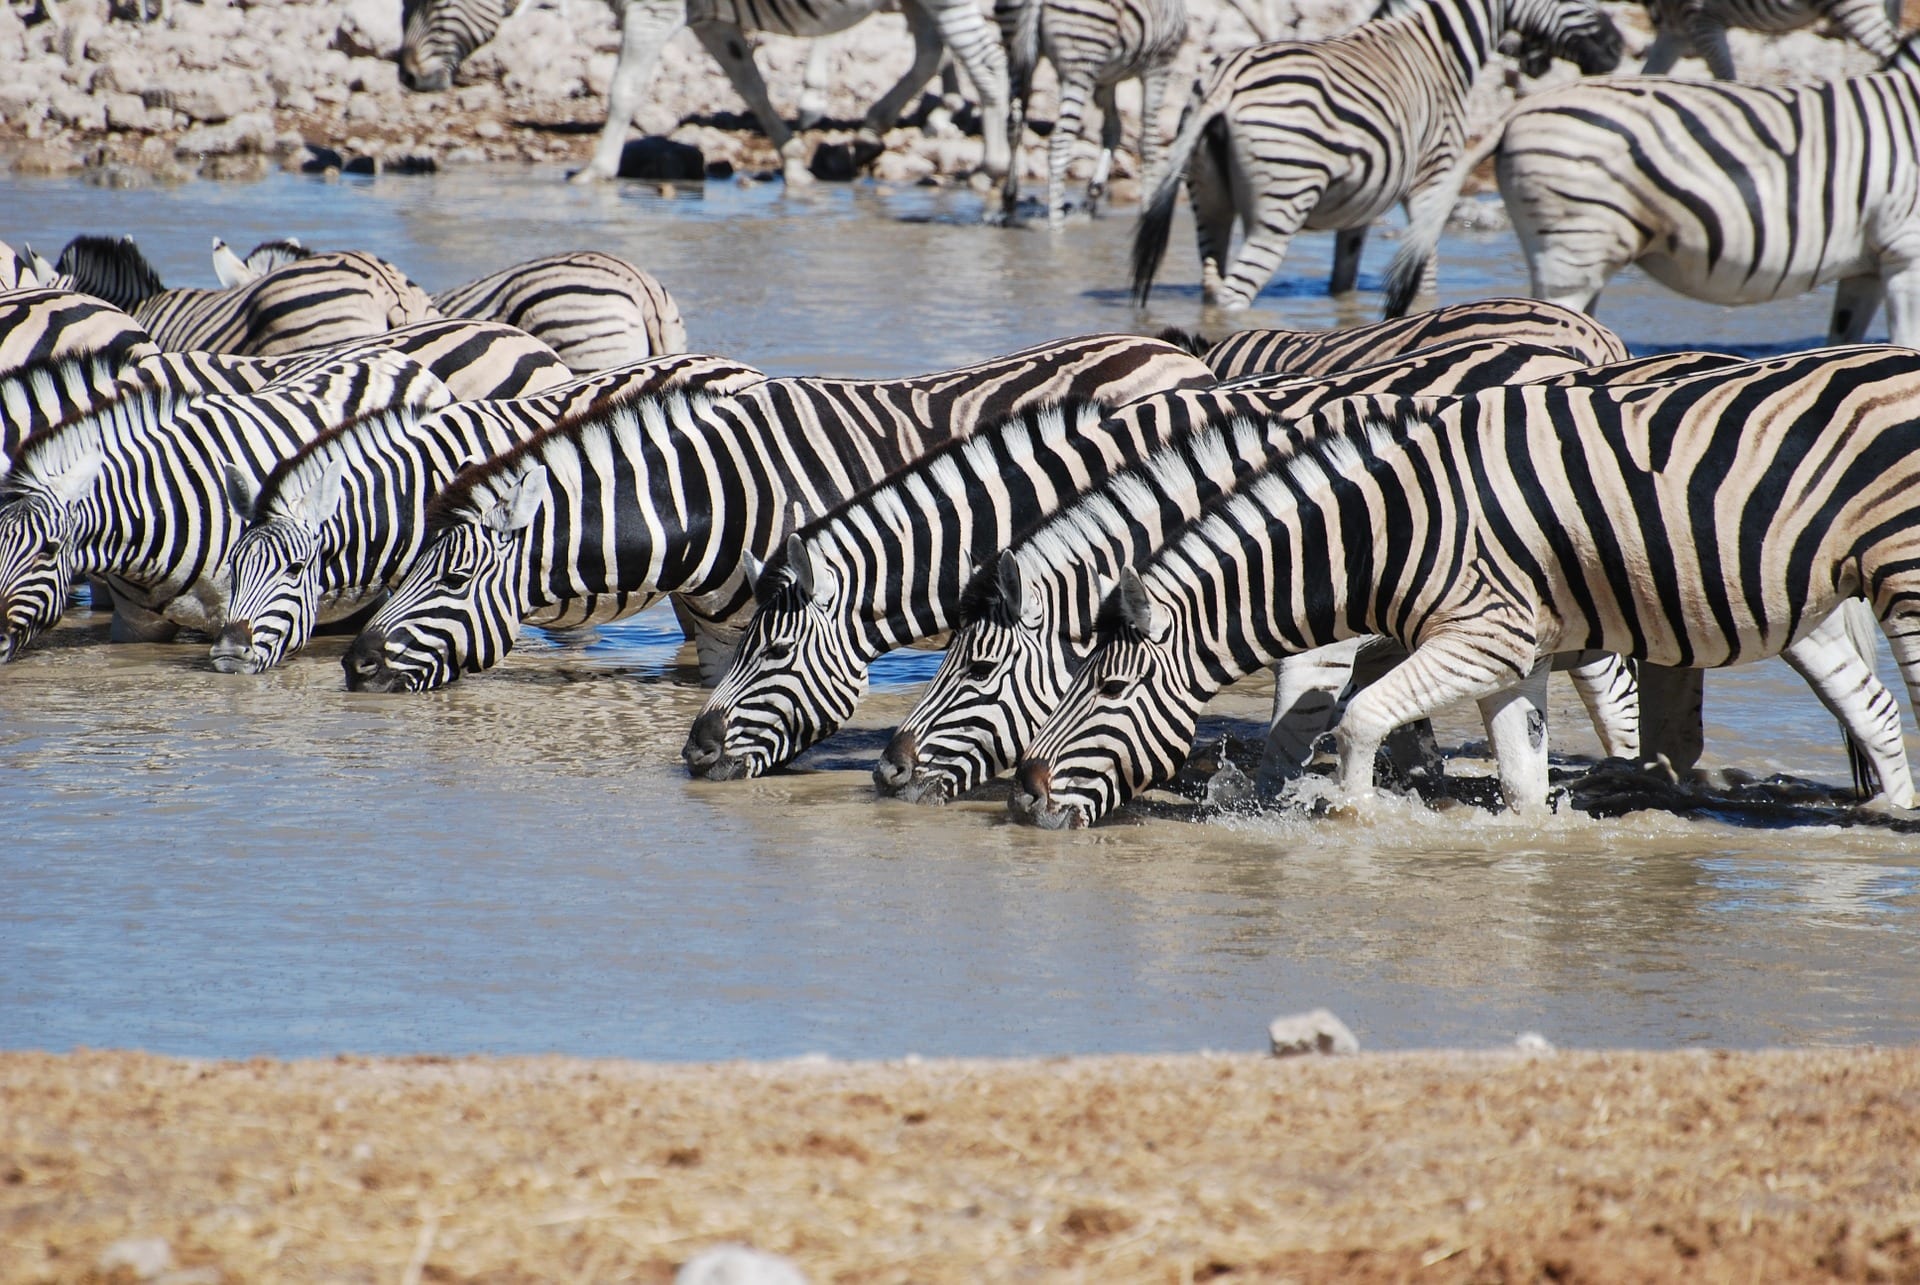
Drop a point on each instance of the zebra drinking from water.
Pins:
(1734, 194)
(1333, 133)
(1697, 522)
(601, 515)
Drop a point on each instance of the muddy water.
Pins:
(224, 865)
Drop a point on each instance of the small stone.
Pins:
(43, 159)
(145, 1256)
(489, 129)
(662, 158)
(1316, 1032)
(1532, 1042)
(738, 1265)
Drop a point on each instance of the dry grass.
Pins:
(1585, 1166)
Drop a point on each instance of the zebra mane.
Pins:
(277, 253)
(458, 501)
(50, 373)
(1190, 342)
(941, 464)
(110, 268)
(309, 461)
(55, 449)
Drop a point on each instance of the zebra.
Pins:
(1093, 46)
(132, 492)
(337, 522)
(439, 34)
(38, 325)
(476, 360)
(1733, 194)
(595, 310)
(232, 270)
(1700, 27)
(1025, 617)
(1697, 522)
(680, 490)
(1330, 134)
(309, 303)
(1326, 352)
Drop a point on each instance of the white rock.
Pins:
(145, 1256)
(1532, 1042)
(1316, 1032)
(369, 29)
(738, 1265)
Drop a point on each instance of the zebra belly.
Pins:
(1733, 281)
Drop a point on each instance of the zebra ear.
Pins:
(229, 267)
(1007, 580)
(516, 509)
(754, 567)
(240, 490)
(71, 486)
(323, 497)
(816, 582)
(1136, 608)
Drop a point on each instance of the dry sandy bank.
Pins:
(1611, 1166)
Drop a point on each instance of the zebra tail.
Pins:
(1023, 47)
(1203, 116)
(1428, 218)
(1863, 631)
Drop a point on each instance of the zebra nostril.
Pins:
(897, 761)
(706, 741)
(1036, 780)
(237, 637)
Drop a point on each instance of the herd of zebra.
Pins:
(1106, 530)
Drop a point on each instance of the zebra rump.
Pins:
(595, 310)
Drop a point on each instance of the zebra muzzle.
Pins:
(231, 650)
(894, 772)
(1032, 799)
(706, 749)
(366, 665)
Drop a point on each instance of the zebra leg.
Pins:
(645, 28)
(730, 49)
(927, 51)
(1903, 306)
(1516, 719)
(977, 47)
(1109, 142)
(813, 85)
(1075, 86)
(1606, 686)
(1672, 706)
(1667, 49)
(1211, 192)
(1708, 35)
(1347, 245)
(1153, 96)
(1270, 228)
(1306, 697)
(1855, 300)
(1846, 685)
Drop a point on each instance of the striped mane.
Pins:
(306, 464)
(109, 268)
(55, 449)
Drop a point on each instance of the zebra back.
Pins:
(312, 303)
(1315, 352)
(45, 325)
(476, 360)
(593, 309)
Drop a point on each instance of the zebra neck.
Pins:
(1465, 33)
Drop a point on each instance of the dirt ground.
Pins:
(1504, 1166)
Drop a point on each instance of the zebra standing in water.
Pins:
(1698, 522)
(1093, 46)
(1025, 620)
(439, 34)
(132, 493)
(595, 310)
(338, 522)
(1734, 194)
(1333, 133)
(1699, 27)
(601, 515)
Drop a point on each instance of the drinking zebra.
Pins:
(1025, 621)
(595, 310)
(1327, 352)
(1093, 46)
(1699, 27)
(1332, 133)
(132, 493)
(603, 514)
(309, 303)
(439, 34)
(342, 519)
(1696, 522)
(1734, 194)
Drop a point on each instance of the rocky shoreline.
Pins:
(236, 91)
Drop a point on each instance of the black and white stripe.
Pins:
(338, 522)
(133, 492)
(600, 516)
(439, 34)
(1026, 620)
(597, 311)
(1733, 194)
(46, 325)
(1333, 133)
(1695, 522)
(1699, 27)
(1093, 46)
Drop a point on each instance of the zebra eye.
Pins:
(1114, 687)
(51, 549)
(980, 670)
(778, 652)
(457, 580)
(296, 568)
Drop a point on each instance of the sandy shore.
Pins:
(1444, 1167)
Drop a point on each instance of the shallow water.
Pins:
(224, 865)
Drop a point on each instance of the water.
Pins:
(221, 865)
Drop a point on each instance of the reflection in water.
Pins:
(217, 864)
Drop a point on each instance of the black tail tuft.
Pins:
(1187, 341)
(1150, 238)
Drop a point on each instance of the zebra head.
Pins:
(439, 34)
(1005, 669)
(273, 600)
(39, 520)
(797, 676)
(1576, 30)
(1125, 723)
(458, 607)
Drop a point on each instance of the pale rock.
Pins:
(252, 132)
(374, 76)
(71, 107)
(1316, 1032)
(215, 97)
(1532, 1042)
(144, 1256)
(363, 108)
(488, 129)
(738, 1265)
(901, 167)
(124, 111)
(368, 29)
(472, 98)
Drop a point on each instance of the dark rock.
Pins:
(720, 169)
(662, 158)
